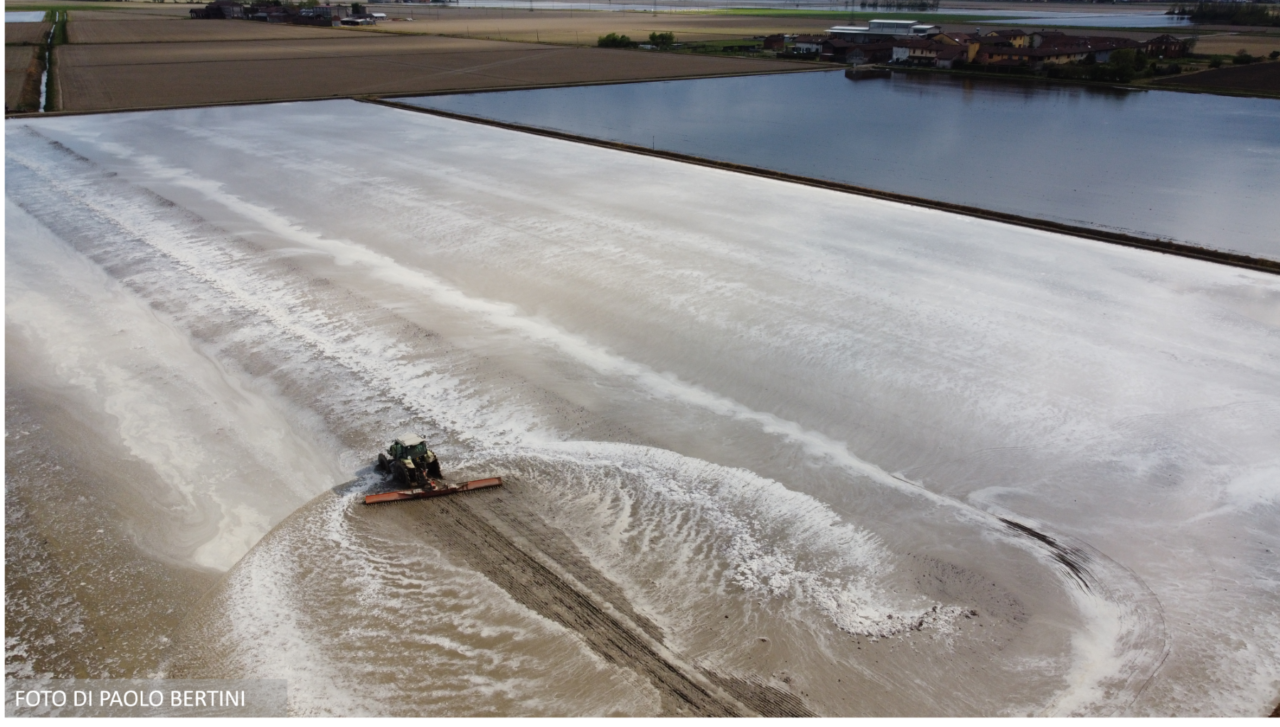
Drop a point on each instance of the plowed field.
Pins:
(584, 28)
(1258, 45)
(169, 31)
(133, 13)
(17, 60)
(105, 77)
(1255, 78)
(25, 33)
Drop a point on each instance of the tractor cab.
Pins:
(411, 464)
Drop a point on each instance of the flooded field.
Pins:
(768, 449)
(1188, 167)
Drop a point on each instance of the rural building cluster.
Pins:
(908, 42)
(323, 15)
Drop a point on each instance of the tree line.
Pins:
(613, 40)
(1229, 13)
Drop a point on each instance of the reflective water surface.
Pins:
(1195, 168)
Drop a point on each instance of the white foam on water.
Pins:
(1258, 488)
(1099, 654)
(852, 605)
(144, 373)
(416, 636)
(761, 545)
(765, 570)
(619, 501)
(510, 318)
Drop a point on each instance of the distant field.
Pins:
(115, 8)
(350, 47)
(124, 76)
(17, 59)
(1253, 44)
(1253, 78)
(186, 31)
(584, 28)
(25, 33)
(845, 17)
(161, 13)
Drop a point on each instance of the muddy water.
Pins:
(757, 460)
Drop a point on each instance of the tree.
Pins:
(662, 40)
(1124, 59)
(357, 9)
(613, 40)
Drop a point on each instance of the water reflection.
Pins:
(1025, 88)
(1189, 167)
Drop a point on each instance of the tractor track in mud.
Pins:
(581, 599)
(1071, 558)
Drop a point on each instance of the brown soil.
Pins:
(124, 76)
(79, 594)
(22, 77)
(1257, 45)
(25, 33)
(350, 47)
(542, 569)
(169, 31)
(134, 13)
(584, 28)
(1253, 78)
(85, 9)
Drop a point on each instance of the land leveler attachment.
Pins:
(415, 468)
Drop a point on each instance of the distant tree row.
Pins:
(1123, 66)
(1243, 58)
(613, 40)
(1229, 13)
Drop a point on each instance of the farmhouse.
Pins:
(910, 43)
(879, 31)
(809, 43)
(219, 11)
(1165, 46)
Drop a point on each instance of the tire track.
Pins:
(535, 585)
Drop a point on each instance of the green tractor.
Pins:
(410, 464)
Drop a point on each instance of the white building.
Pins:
(879, 30)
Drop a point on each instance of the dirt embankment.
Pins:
(543, 570)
